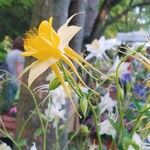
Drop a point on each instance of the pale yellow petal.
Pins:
(27, 69)
(70, 18)
(66, 33)
(38, 69)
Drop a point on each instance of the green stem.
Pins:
(7, 135)
(38, 111)
(45, 135)
(137, 120)
(120, 108)
(96, 124)
(72, 137)
(57, 138)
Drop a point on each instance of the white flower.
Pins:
(107, 128)
(107, 103)
(58, 95)
(54, 113)
(93, 147)
(142, 145)
(33, 147)
(55, 110)
(123, 68)
(51, 76)
(98, 48)
(4, 146)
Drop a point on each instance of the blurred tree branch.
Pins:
(103, 20)
(123, 13)
(102, 17)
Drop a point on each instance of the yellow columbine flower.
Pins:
(49, 48)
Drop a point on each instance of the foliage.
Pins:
(15, 17)
(5, 46)
(135, 19)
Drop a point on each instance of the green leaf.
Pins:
(22, 142)
(127, 142)
(114, 124)
(84, 129)
(83, 105)
(137, 105)
(39, 132)
(54, 84)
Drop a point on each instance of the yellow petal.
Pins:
(57, 71)
(44, 29)
(68, 62)
(66, 33)
(72, 53)
(38, 69)
(53, 35)
(27, 69)
(29, 53)
(80, 64)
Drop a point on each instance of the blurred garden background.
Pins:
(109, 30)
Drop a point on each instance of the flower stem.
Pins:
(96, 124)
(138, 119)
(45, 136)
(57, 138)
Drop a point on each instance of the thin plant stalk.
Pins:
(57, 138)
(96, 124)
(138, 119)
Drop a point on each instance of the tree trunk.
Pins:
(92, 11)
(44, 9)
(78, 6)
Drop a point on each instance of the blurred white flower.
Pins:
(142, 145)
(4, 146)
(107, 103)
(33, 147)
(58, 95)
(93, 147)
(51, 76)
(54, 113)
(123, 68)
(98, 48)
(55, 110)
(106, 128)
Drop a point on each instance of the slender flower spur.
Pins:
(50, 48)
